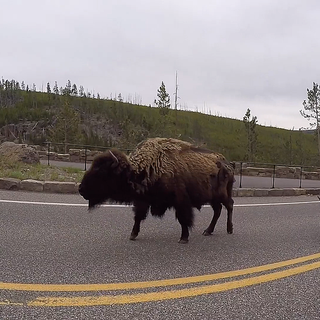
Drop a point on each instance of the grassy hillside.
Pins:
(32, 117)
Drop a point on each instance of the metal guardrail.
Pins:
(240, 165)
(273, 167)
(84, 147)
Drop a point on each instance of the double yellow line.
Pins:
(110, 299)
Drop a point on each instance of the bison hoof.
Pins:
(207, 233)
(230, 228)
(183, 241)
(133, 236)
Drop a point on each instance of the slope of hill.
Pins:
(34, 117)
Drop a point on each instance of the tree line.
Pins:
(11, 92)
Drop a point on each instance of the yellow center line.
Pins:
(151, 284)
(167, 295)
(9, 303)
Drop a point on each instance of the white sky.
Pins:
(229, 55)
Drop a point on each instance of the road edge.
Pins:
(72, 188)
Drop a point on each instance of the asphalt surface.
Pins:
(246, 182)
(267, 183)
(46, 243)
(80, 165)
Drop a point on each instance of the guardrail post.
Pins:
(300, 177)
(274, 175)
(85, 159)
(240, 184)
(48, 152)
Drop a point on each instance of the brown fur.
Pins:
(159, 174)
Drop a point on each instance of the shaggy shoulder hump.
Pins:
(155, 156)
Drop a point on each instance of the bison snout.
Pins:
(81, 190)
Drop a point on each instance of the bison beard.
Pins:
(161, 174)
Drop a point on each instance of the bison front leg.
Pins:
(184, 215)
(217, 207)
(140, 210)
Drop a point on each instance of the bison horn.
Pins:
(113, 156)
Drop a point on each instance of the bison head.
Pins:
(107, 179)
(224, 178)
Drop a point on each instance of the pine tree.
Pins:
(56, 89)
(67, 90)
(250, 124)
(163, 101)
(81, 91)
(312, 110)
(48, 88)
(163, 104)
(74, 90)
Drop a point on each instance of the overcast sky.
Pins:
(229, 55)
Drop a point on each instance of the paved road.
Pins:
(80, 165)
(247, 182)
(64, 244)
(266, 182)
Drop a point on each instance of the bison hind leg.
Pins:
(184, 214)
(229, 206)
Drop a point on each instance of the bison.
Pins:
(162, 173)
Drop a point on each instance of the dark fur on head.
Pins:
(108, 179)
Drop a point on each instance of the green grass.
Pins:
(40, 172)
(124, 125)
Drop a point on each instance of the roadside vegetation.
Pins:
(22, 171)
